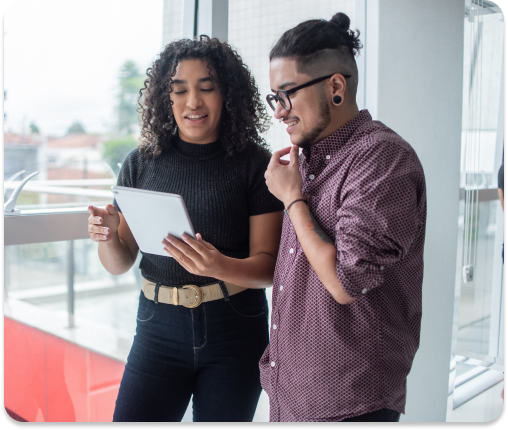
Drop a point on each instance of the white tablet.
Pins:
(152, 215)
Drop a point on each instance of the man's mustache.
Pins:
(287, 118)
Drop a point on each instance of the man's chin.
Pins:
(302, 143)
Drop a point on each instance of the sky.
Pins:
(62, 59)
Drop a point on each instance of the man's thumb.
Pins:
(293, 156)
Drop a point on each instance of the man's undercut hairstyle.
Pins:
(322, 48)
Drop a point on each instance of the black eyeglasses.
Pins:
(282, 96)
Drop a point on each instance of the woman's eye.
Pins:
(180, 92)
(207, 90)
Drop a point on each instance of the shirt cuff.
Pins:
(360, 278)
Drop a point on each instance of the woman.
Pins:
(201, 115)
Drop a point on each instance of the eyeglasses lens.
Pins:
(280, 97)
(284, 100)
(271, 101)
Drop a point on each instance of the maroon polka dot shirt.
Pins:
(327, 361)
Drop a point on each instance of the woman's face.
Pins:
(197, 102)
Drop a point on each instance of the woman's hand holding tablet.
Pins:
(196, 256)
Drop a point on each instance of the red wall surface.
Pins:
(50, 379)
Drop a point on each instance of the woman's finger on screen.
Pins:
(204, 242)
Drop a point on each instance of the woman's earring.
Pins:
(337, 100)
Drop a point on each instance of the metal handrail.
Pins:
(476, 386)
(50, 225)
(484, 194)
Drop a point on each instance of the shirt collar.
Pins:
(340, 137)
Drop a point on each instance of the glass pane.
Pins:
(80, 361)
(481, 113)
(72, 71)
(475, 303)
(255, 26)
(70, 95)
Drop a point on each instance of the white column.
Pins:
(417, 91)
(180, 17)
(213, 18)
(189, 7)
(361, 25)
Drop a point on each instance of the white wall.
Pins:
(419, 95)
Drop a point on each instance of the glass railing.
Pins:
(69, 326)
(63, 309)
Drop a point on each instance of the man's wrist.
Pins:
(291, 199)
(294, 203)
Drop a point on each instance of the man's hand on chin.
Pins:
(283, 177)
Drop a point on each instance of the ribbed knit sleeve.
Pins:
(127, 174)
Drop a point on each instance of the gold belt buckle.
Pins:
(199, 295)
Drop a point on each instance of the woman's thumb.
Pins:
(111, 209)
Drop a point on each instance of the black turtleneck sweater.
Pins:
(220, 193)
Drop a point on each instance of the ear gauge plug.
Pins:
(337, 100)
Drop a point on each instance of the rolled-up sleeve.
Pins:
(377, 218)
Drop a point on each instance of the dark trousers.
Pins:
(380, 416)
(210, 352)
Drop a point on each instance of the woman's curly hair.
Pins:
(243, 113)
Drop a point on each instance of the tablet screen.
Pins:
(152, 215)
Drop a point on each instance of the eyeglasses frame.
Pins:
(291, 91)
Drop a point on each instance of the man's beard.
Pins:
(309, 139)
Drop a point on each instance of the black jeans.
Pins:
(210, 352)
(380, 416)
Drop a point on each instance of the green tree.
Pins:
(76, 128)
(116, 150)
(33, 128)
(130, 82)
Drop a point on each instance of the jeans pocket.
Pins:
(249, 303)
(146, 308)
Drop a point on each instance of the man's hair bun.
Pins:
(314, 35)
(342, 20)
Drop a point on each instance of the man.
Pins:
(347, 288)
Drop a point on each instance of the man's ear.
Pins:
(338, 82)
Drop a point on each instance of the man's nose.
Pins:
(279, 111)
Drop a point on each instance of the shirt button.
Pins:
(364, 290)
(281, 287)
(381, 267)
(291, 250)
(327, 157)
(311, 177)
(275, 326)
(273, 363)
